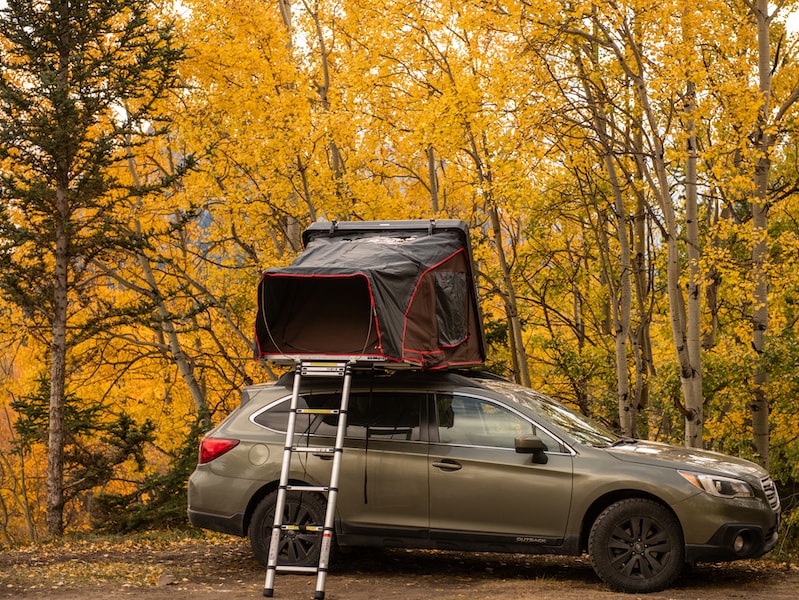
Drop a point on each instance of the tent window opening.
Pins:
(451, 295)
(319, 315)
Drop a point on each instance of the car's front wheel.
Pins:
(636, 546)
(297, 548)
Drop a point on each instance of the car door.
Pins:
(383, 487)
(482, 489)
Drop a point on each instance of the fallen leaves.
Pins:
(132, 561)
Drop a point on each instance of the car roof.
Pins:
(388, 379)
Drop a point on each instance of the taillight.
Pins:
(212, 448)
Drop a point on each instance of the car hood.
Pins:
(679, 457)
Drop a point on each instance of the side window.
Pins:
(465, 420)
(276, 417)
(385, 416)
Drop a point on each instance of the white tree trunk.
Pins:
(694, 420)
(764, 141)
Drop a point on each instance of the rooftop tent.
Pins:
(400, 293)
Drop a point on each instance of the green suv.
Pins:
(467, 461)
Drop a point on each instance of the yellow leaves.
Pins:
(339, 117)
(133, 562)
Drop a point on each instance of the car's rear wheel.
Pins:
(636, 546)
(297, 548)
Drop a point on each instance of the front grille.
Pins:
(771, 493)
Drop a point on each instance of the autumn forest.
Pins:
(629, 172)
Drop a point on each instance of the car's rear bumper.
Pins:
(231, 524)
(218, 503)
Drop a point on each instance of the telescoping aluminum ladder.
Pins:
(310, 369)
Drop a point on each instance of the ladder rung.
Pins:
(318, 411)
(303, 528)
(290, 569)
(314, 450)
(307, 488)
(323, 369)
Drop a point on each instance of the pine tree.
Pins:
(80, 81)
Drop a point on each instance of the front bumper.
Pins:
(734, 541)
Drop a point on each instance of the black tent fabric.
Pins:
(401, 293)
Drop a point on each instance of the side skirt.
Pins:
(456, 541)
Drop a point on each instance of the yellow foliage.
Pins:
(381, 109)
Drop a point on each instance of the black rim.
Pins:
(639, 548)
(296, 545)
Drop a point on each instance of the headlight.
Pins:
(723, 487)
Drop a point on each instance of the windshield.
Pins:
(581, 428)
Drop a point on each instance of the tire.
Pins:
(636, 546)
(297, 548)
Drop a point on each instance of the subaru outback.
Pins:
(471, 462)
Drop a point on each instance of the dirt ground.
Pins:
(224, 568)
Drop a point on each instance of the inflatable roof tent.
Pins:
(399, 293)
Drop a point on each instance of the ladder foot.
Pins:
(319, 596)
(268, 593)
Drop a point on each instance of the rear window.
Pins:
(386, 416)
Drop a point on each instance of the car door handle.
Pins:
(448, 465)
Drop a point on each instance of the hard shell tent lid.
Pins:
(401, 293)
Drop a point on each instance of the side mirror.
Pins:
(531, 444)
